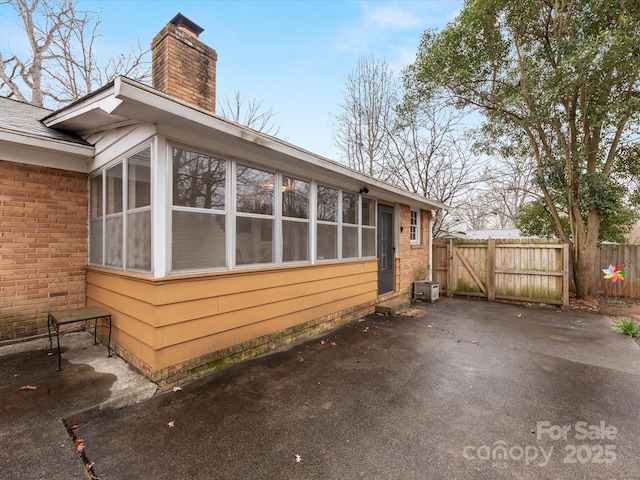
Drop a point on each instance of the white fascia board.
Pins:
(35, 141)
(41, 154)
(44, 152)
(103, 100)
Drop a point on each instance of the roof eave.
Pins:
(35, 141)
(133, 93)
(127, 99)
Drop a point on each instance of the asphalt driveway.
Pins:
(468, 389)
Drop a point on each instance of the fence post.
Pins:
(565, 276)
(491, 270)
(450, 269)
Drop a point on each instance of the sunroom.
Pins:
(220, 213)
(209, 241)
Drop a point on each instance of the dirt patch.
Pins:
(411, 312)
(620, 308)
(608, 306)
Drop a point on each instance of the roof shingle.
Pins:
(19, 117)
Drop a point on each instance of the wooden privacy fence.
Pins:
(518, 270)
(629, 257)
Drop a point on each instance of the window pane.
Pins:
(198, 180)
(385, 254)
(95, 242)
(198, 241)
(114, 189)
(295, 198)
(95, 224)
(368, 211)
(414, 226)
(139, 240)
(295, 238)
(113, 241)
(254, 240)
(349, 242)
(327, 242)
(96, 196)
(327, 204)
(368, 242)
(349, 208)
(254, 191)
(139, 179)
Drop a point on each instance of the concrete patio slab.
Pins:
(458, 389)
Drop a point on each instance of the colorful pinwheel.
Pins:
(614, 273)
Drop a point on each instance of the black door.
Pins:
(386, 270)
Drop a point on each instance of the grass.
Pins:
(627, 326)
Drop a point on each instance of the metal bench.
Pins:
(84, 314)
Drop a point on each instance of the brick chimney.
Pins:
(183, 66)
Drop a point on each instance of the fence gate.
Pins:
(534, 271)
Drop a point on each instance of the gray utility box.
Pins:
(426, 291)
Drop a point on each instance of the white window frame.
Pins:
(414, 227)
(208, 211)
(123, 160)
(335, 224)
(282, 218)
(277, 217)
(370, 228)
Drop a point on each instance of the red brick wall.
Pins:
(414, 257)
(43, 245)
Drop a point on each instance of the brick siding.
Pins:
(43, 246)
(414, 257)
(184, 67)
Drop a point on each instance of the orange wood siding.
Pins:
(168, 321)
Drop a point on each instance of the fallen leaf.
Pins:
(298, 458)
(450, 332)
(171, 424)
(475, 342)
(519, 314)
(28, 387)
(366, 329)
(89, 466)
(322, 342)
(177, 389)
(79, 444)
(333, 344)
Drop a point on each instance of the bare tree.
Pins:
(508, 183)
(362, 128)
(422, 148)
(249, 113)
(431, 154)
(61, 65)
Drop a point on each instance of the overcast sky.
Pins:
(292, 55)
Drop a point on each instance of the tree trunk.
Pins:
(585, 259)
